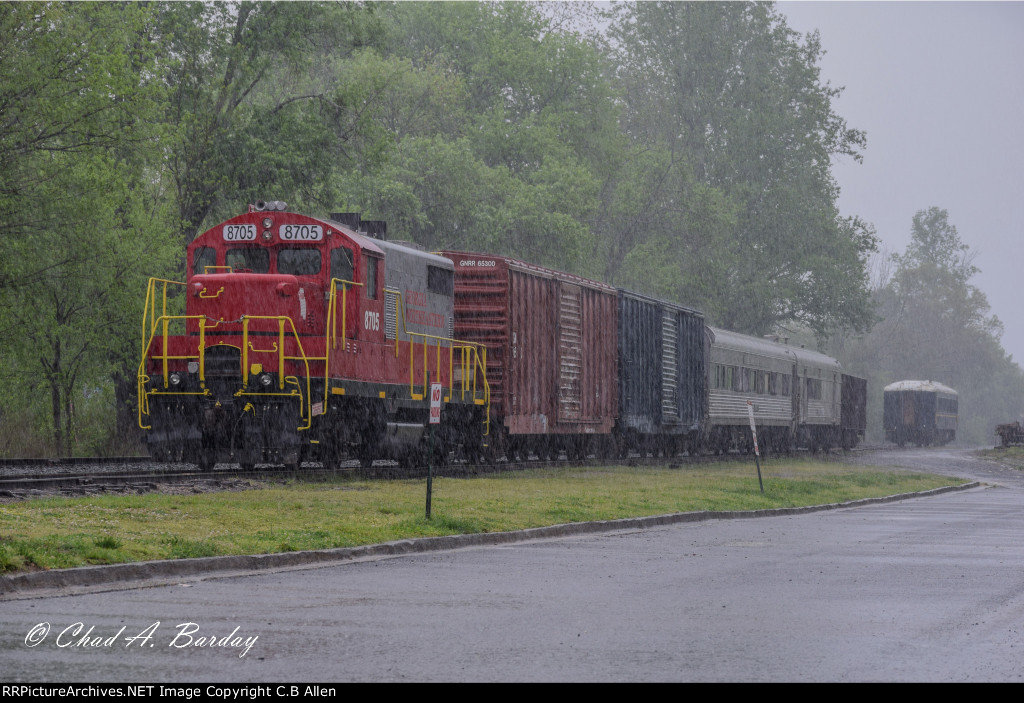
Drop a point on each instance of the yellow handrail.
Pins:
(305, 409)
(159, 324)
(473, 360)
(149, 313)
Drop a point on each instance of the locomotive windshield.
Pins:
(299, 262)
(248, 259)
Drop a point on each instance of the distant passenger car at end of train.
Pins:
(921, 412)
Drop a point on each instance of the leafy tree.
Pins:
(79, 193)
(496, 131)
(252, 101)
(936, 325)
(732, 98)
(69, 85)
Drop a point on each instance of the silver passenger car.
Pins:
(795, 394)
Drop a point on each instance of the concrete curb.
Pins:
(90, 579)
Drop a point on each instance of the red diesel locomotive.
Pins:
(296, 337)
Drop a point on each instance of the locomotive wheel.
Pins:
(475, 454)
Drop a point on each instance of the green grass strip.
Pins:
(348, 512)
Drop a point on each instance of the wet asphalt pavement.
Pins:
(925, 589)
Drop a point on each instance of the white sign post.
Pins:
(753, 432)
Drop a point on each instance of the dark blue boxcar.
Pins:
(663, 396)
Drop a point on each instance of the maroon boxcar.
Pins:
(552, 361)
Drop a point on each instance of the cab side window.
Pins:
(371, 276)
(341, 264)
(813, 389)
(440, 281)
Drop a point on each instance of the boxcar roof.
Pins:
(534, 269)
(661, 301)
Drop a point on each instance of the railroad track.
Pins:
(30, 478)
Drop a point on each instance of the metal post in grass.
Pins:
(757, 453)
(435, 419)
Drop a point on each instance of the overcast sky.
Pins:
(939, 89)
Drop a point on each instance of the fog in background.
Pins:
(939, 89)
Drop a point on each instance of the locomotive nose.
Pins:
(233, 295)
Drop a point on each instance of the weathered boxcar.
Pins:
(662, 376)
(552, 360)
(921, 412)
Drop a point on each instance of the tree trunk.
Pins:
(55, 398)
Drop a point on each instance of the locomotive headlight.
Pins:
(267, 235)
(175, 379)
(266, 379)
(267, 223)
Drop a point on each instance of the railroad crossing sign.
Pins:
(435, 404)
